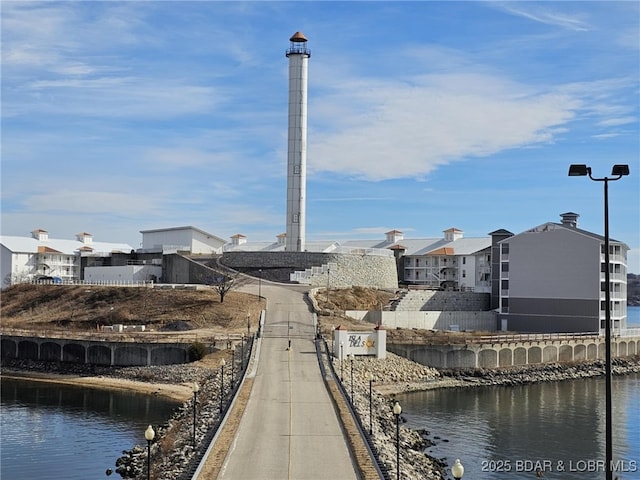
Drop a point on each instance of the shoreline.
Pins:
(416, 377)
(179, 393)
(393, 375)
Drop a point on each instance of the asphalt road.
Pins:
(290, 429)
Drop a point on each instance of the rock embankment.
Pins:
(173, 450)
(396, 374)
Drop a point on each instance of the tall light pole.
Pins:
(351, 359)
(617, 172)
(196, 388)
(342, 361)
(260, 284)
(328, 278)
(149, 435)
(222, 364)
(371, 380)
(397, 410)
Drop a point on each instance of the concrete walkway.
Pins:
(289, 429)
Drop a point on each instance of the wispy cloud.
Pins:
(545, 13)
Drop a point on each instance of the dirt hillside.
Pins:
(87, 307)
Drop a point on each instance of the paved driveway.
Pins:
(290, 429)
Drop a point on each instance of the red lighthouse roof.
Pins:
(298, 37)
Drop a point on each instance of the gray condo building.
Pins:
(551, 278)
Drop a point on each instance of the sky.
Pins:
(119, 117)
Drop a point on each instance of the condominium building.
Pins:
(29, 258)
(551, 278)
(451, 262)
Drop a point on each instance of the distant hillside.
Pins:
(633, 289)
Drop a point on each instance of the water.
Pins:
(509, 432)
(51, 431)
(633, 317)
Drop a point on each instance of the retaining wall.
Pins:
(347, 269)
(93, 352)
(516, 352)
(459, 321)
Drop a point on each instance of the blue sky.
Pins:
(124, 116)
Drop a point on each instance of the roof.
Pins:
(54, 245)
(298, 37)
(188, 227)
(314, 246)
(554, 226)
(423, 246)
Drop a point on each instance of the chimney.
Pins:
(238, 239)
(570, 219)
(40, 235)
(394, 236)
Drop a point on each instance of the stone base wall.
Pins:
(515, 353)
(345, 269)
(457, 321)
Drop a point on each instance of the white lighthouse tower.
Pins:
(298, 55)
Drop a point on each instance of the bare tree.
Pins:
(223, 283)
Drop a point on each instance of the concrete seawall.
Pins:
(514, 350)
(95, 352)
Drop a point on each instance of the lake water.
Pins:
(504, 433)
(51, 431)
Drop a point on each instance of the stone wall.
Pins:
(346, 270)
(437, 320)
(526, 351)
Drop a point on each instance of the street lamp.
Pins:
(149, 434)
(351, 356)
(196, 389)
(371, 380)
(617, 172)
(457, 470)
(222, 364)
(328, 276)
(233, 360)
(260, 284)
(341, 361)
(397, 410)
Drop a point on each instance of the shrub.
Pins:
(197, 351)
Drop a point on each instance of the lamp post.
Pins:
(260, 284)
(149, 434)
(328, 276)
(617, 172)
(457, 470)
(222, 364)
(233, 360)
(397, 410)
(248, 325)
(351, 359)
(196, 389)
(341, 361)
(371, 380)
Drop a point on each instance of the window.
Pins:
(296, 169)
(504, 267)
(464, 260)
(504, 284)
(296, 218)
(464, 274)
(505, 249)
